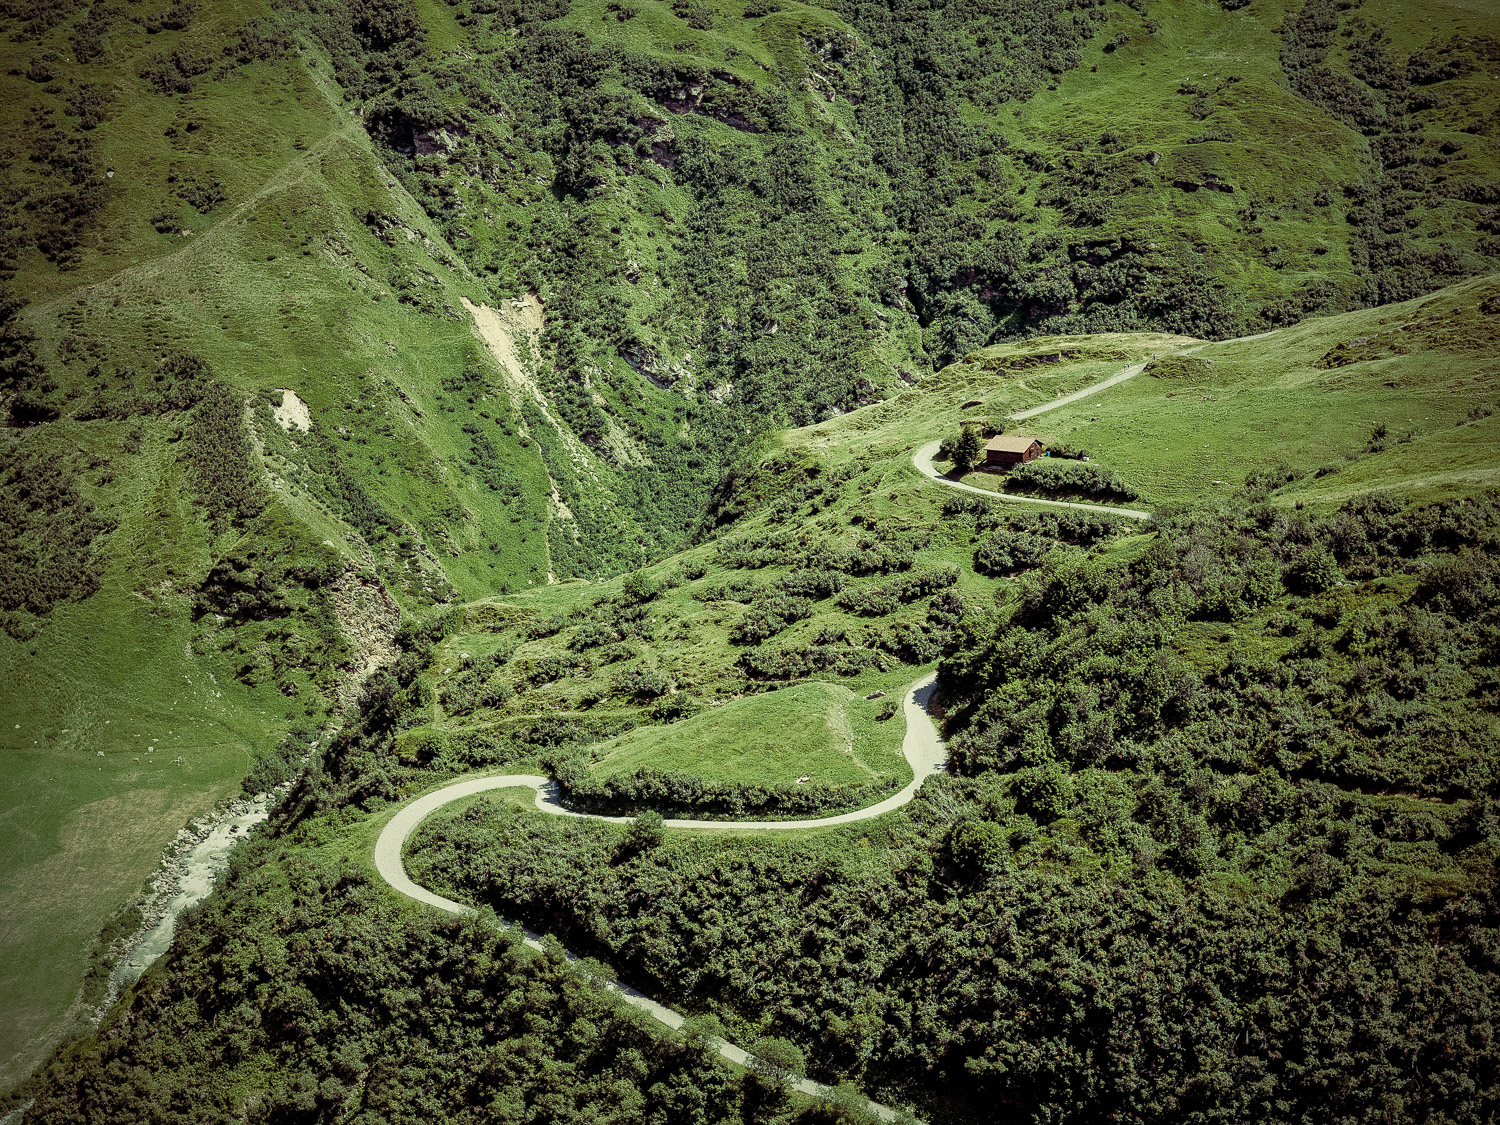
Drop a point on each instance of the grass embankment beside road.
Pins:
(1400, 397)
(819, 731)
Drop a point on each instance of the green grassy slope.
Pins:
(1303, 402)
(1308, 399)
(733, 217)
(804, 731)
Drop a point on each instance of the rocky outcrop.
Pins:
(369, 618)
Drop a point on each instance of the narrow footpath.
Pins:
(922, 747)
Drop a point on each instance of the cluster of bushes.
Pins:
(783, 602)
(491, 467)
(536, 671)
(49, 535)
(253, 584)
(1004, 552)
(827, 653)
(810, 583)
(1067, 452)
(915, 641)
(1075, 478)
(273, 767)
(870, 554)
(739, 588)
(878, 601)
(644, 681)
(677, 793)
(374, 44)
(58, 206)
(270, 595)
(1066, 525)
(593, 634)
(771, 613)
(333, 482)
(479, 686)
(173, 72)
(818, 492)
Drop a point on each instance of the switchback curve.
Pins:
(924, 456)
(922, 748)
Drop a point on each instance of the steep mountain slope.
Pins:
(1217, 837)
(537, 275)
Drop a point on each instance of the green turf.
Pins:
(1424, 368)
(1304, 398)
(802, 731)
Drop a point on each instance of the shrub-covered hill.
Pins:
(537, 274)
(1218, 840)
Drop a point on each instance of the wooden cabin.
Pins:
(1011, 449)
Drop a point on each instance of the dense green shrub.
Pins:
(684, 794)
(770, 614)
(878, 601)
(1159, 832)
(220, 461)
(332, 1011)
(49, 534)
(1068, 478)
(1004, 552)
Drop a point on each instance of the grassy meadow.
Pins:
(1304, 400)
(1309, 399)
(808, 730)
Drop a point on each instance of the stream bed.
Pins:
(186, 880)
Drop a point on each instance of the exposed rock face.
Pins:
(293, 414)
(369, 618)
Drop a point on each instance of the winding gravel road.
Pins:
(923, 458)
(922, 747)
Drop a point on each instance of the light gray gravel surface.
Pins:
(922, 747)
